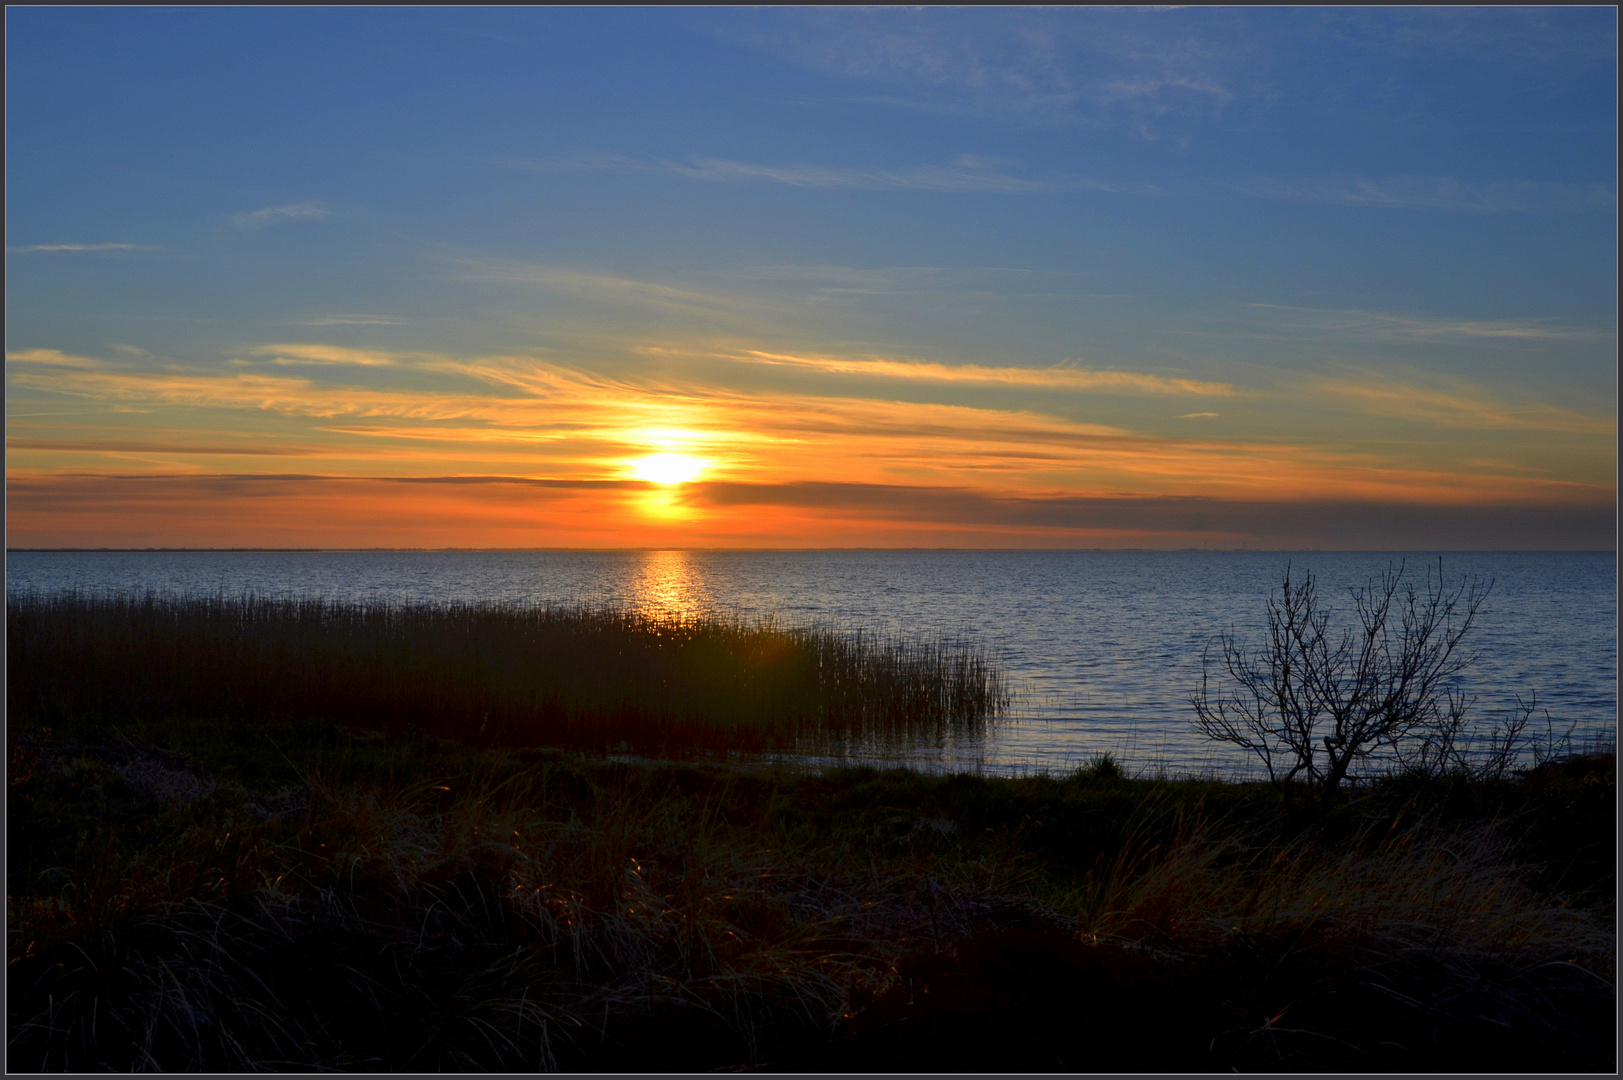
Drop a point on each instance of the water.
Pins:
(1102, 647)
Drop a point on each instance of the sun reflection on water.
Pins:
(669, 584)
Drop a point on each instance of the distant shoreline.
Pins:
(786, 550)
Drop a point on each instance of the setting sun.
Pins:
(668, 468)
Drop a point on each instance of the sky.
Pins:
(785, 278)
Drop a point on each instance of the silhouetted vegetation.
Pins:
(591, 678)
(1322, 709)
(233, 895)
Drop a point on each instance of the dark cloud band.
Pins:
(1059, 521)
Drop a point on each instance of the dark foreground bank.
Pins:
(239, 894)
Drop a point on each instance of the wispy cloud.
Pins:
(969, 174)
(490, 35)
(1355, 324)
(276, 215)
(965, 175)
(1044, 66)
(752, 304)
(1461, 406)
(974, 174)
(154, 446)
(1159, 71)
(1048, 378)
(82, 247)
(351, 320)
(53, 358)
(582, 161)
(1432, 193)
(917, 280)
(323, 354)
(596, 286)
(248, 390)
(1557, 36)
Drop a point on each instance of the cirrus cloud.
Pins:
(81, 247)
(255, 220)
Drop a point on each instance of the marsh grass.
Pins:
(582, 677)
(272, 895)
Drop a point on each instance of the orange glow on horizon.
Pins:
(513, 451)
(439, 512)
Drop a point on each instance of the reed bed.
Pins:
(591, 678)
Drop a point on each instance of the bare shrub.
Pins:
(1315, 707)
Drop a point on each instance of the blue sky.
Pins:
(1368, 254)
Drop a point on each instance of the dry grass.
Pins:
(1418, 890)
(515, 922)
(409, 906)
(1437, 927)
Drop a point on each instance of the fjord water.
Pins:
(1101, 647)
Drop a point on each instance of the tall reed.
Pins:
(580, 677)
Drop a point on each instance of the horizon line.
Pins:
(679, 547)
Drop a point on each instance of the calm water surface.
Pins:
(1102, 647)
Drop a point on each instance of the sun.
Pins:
(668, 468)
